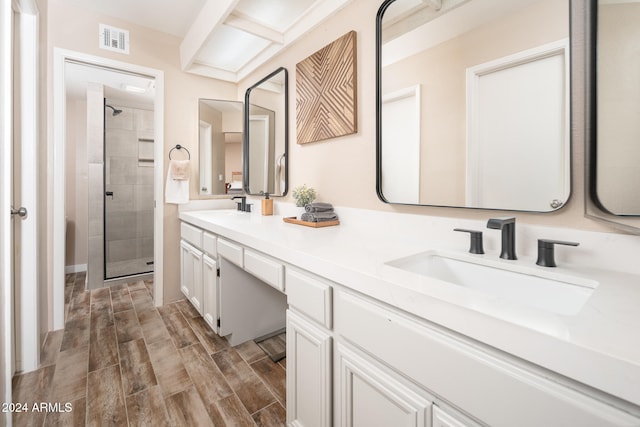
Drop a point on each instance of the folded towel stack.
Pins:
(318, 207)
(319, 212)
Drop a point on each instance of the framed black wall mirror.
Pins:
(473, 103)
(220, 146)
(613, 167)
(266, 136)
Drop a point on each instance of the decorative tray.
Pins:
(294, 220)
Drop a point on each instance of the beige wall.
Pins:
(342, 170)
(70, 27)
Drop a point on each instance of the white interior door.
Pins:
(205, 145)
(401, 146)
(6, 239)
(18, 125)
(528, 144)
(258, 158)
(25, 222)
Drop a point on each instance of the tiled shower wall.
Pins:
(120, 156)
(129, 149)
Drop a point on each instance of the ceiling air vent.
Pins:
(114, 39)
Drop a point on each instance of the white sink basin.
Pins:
(536, 287)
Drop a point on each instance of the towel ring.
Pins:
(179, 147)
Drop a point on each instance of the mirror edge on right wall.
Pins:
(593, 209)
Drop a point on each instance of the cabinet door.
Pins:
(308, 373)
(210, 292)
(369, 395)
(191, 274)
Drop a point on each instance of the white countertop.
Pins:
(599, 346)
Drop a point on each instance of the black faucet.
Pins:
(508, 227)
(242, 205)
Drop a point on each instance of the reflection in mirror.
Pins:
(473, 103)
(266, 135)
(618, 104)
(220, 146)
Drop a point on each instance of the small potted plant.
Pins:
(303, 196)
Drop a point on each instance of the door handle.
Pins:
(22, 212)
(109, 194)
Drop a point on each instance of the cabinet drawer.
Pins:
(309, 296)
(473, 379)
(230, 251)
(191, 234)
(267, 269)
(209, 244)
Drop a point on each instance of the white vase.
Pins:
(299, 211)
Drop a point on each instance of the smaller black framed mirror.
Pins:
(266, 135)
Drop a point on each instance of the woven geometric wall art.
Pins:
(326, 92)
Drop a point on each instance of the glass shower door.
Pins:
(128, 192)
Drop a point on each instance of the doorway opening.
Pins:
(122, 85)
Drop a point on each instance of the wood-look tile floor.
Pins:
(121, 361)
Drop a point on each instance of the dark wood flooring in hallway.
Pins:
(121, 361)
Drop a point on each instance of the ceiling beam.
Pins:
(212, 14)
(245, 24)
(214, 73)
(313, 17)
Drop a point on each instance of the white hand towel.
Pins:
(179, 169)
(176, 191)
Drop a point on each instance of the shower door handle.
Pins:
(109, 194)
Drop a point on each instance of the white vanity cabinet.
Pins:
(198, 277)
(309, 350)
(492, 387)
(356, 360)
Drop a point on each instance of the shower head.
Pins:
(115, 110)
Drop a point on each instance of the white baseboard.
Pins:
(69, 269)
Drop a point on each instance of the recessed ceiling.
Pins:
(223, 39)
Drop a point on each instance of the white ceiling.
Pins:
(223, 39)
(129, 89)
